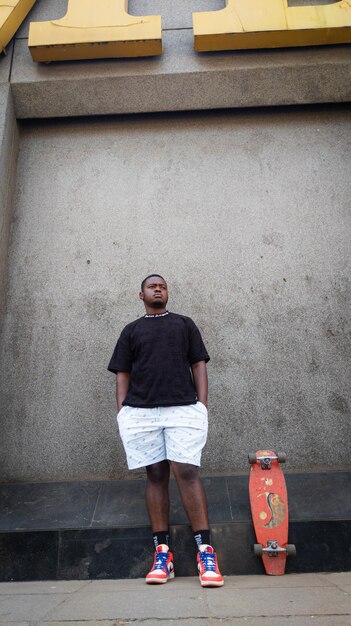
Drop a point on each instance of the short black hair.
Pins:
(150, 276)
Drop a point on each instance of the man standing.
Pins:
(160, 366)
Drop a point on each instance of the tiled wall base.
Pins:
(104, 547)
(104, 553)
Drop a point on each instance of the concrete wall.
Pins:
(180, 79)
(247, 214)
(8, 156)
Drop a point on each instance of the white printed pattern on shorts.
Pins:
(175, 433)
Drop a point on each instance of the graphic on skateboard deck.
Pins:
(269, 510)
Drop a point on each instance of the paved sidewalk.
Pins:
(294, 600)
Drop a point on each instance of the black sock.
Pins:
(201, 537)
(161, 536)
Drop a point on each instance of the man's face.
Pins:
(154, 293)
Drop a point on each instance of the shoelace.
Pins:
(161, 560)
(209, 561)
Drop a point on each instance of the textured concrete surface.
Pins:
(180, 79)
(8, 156)
(5, 64)
(272, 193)
(247, 215)
(303, 600)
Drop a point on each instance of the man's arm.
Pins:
(122, 386)
(200, 381)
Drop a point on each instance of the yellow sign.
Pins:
(12, 14)
(95, 29)
(271, 24)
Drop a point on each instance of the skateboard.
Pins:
(269, 510)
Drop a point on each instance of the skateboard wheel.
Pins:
(258, 549)
(281, 457)
(290, 549)
(252, 458)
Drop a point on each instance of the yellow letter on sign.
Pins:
(271, 24)
(12, 14)
(95, 29)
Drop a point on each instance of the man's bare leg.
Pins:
(195, 504)
(157, 501)
(192, 494)
(157, 496)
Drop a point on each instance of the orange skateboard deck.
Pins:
(269, 510)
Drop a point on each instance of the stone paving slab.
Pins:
(23, 607)
(294, 600)
(279, 621)
(147, 604)
(285, 602)
(233, 582)
(46, 587)
(340, 579)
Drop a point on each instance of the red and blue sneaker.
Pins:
(209, 574)
(162, 569)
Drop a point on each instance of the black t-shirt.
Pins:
(158, 352)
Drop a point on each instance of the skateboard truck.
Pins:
(273, 549)
(266, 461)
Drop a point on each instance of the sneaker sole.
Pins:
(159, 581)
(211, 583)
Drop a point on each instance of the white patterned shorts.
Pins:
(176, 433)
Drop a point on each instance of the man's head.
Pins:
(154, 292)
